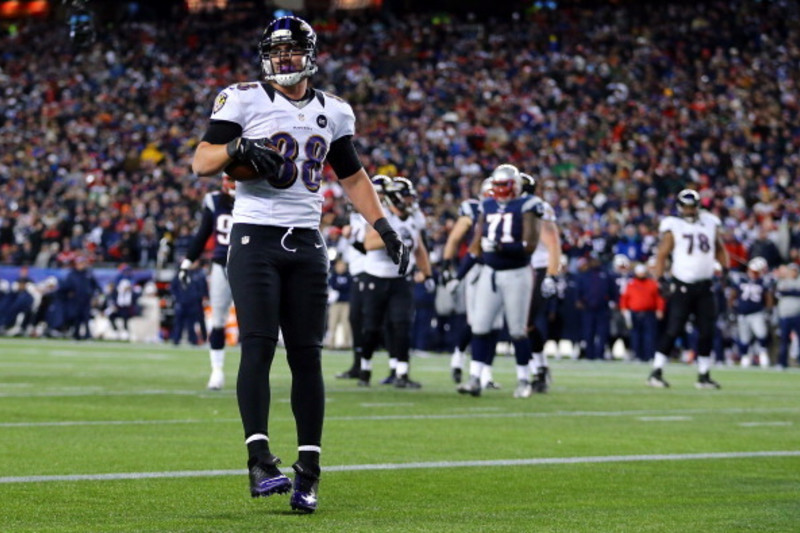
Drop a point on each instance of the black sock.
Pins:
(310, 460)
(257, 450)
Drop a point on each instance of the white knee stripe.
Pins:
(309, 449)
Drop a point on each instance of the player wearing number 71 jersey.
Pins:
(692, 241)
(508, 229)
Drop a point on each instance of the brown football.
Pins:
(241, 171)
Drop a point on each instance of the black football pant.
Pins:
(278, 278)
(535, 334)
(690, 299)
(390, 302)
(356, 319)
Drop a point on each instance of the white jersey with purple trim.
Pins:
(379, 264)
(420, 217)
(303, 133)
(694, 253)
(541, 255)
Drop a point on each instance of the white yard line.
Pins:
(412, 466)
(664, 418)
(645, 415)
(758, 424)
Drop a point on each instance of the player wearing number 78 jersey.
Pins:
(692, 241)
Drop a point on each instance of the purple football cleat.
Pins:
(306, 484)
(266, 479)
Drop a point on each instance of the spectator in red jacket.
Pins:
(642, 306)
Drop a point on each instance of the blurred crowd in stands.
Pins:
(613, 109)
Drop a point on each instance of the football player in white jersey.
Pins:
(693, 243)
(546, 263)
(284, 131)
(388, 295)
(216, 221)
(355, 257)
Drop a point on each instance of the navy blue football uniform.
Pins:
(217, 220)
(502, 232)
(469, 208)
(751, 295)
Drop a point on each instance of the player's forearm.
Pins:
(457, 234)
(721, 253)
(552, 241)
(210, 159)
(361, 192)
(201, 237)
(373, 241)
(423, 261)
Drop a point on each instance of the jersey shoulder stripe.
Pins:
(468, 208)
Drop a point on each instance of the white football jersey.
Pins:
(379, 263)
(541, 256)
(694, 253)
(303, 134)
(358, 228)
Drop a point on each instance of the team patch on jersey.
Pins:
(322, 121)
(219, 102)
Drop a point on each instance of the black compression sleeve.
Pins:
(222, 132)
(343, 157)
(201, 237)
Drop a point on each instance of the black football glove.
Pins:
(394, 246)
(261, 153)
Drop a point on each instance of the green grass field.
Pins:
(116, 437)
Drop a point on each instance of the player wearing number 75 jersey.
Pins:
(693, 243)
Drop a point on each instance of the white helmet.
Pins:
(506, 182)
(757, 264)
(621, 261)
(688, 198)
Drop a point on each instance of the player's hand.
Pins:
(261, 153)
(445, 276)
(452, 286)
(430, 285)
(549, 287)
(626, 315)
(396, 249)
(183, 273)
